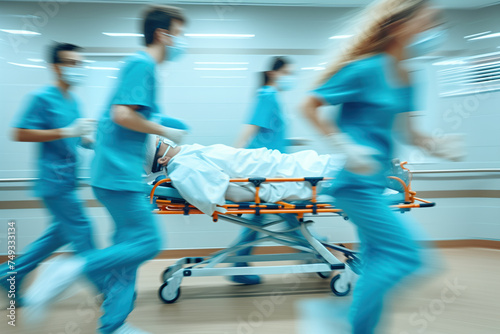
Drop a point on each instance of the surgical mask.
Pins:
(286, 82)
(177, 49)
(426, 42)
(73, 76)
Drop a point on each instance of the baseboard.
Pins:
(179, 253)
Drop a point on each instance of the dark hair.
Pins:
(277, 64)
(55, 48)
(159, 17)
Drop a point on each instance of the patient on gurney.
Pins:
(201, 174)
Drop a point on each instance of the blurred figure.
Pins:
(372, 86)
(266, 128)
(51, 117)
(117, 180)
(267, 125)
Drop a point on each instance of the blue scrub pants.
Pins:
(388, 250)
(136, 240)
(69, 226)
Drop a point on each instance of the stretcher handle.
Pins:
(152, 193)
(405, 187)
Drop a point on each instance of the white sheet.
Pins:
(201, 173)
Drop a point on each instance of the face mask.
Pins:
(177, 49)
(286, 82)
(426, 42)
(73, 76)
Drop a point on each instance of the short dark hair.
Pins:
(159, 17)
(55, 48)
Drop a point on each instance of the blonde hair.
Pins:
(373, 35)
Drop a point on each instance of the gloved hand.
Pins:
(359, 158)
(449, 147)
(79, 128)
(174, 135)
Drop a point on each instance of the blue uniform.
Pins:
(371, 96)
(117, 183)
(48, 108)
(268, 116)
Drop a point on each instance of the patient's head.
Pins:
(158, 154)
(162, 147)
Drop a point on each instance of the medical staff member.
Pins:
(266, 128)
(373, 87)
(51, 116)
(267, 125)
(117, 177)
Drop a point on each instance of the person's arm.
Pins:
(343, 87)
(249, 131)
(80, 127)
(310, 110)
(128, 117)
(31, 135)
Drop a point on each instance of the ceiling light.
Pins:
(20, 32)
(341, 36)
(314, 68)
(122, 34)
(26, 65)
(477, 35)
(497, 34)
(220, 35)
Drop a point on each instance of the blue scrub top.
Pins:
(371, 95)
(119, 152)
(268, 116)
(48, 108)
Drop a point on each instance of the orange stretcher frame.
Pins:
(169, 207)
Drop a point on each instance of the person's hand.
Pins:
(79, 128)
(174, 135)
(449, 147)
(359, 158)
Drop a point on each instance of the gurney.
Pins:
(314, 255)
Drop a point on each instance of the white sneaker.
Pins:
(54, 280)
(127, 329)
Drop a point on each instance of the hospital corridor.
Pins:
(250, 167)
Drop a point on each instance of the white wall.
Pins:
(216, 107)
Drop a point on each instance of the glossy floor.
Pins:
(462, 298)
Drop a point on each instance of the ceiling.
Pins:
(311, 3)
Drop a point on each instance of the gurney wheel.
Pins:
(167, 296)
(337, 288)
